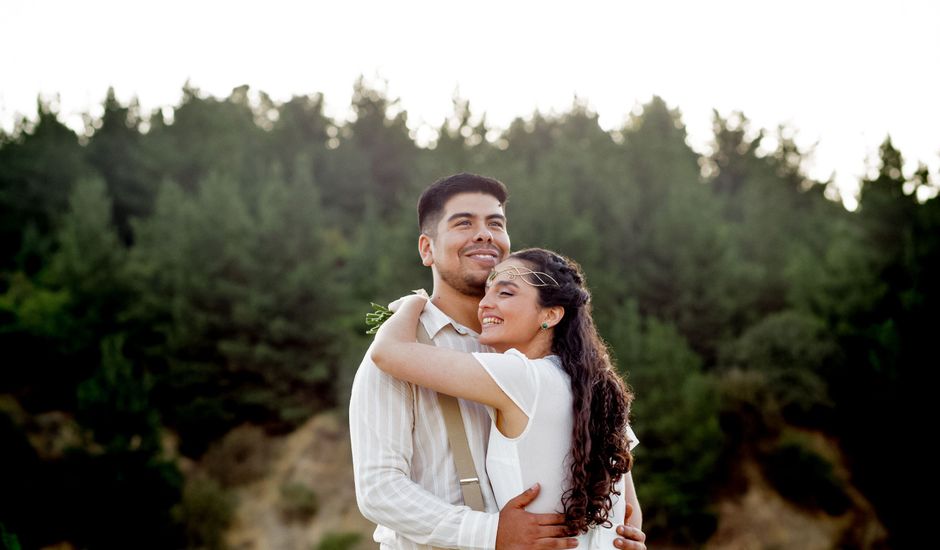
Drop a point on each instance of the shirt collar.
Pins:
(434, 320)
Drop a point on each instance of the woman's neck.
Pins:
(538, 347)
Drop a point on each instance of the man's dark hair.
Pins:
(432, 201)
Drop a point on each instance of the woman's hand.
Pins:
(401, 326)
(419, 293)
(394, 338)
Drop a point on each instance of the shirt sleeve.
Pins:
(515, 374)
(381, 420)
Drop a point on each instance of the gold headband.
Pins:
(539, 278)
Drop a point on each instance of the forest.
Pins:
(168, 276)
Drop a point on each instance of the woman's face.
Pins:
(509, 312)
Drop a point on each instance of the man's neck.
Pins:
(457, 306)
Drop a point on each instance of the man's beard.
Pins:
(466, 283)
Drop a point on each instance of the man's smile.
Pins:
(487, 256)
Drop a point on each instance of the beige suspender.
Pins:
(457, 436)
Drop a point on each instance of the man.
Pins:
(406, 481)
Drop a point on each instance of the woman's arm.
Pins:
(629, 494)
(456, 373)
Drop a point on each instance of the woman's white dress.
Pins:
(543, 391)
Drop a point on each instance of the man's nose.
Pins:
(484, 235)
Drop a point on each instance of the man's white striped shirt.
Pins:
(406, 481)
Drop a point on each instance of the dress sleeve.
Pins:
(632, 438)
(515, 374)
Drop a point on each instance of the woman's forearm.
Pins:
(397, 352)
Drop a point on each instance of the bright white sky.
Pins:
(844, 74)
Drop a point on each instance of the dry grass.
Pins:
(761, 519)
(317, 457)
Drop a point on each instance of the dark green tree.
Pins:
(379, 130)
(887, 342)
(207, 135)
(682, 259)
(116, 152)
(39, 164)
(300, 131)
(677, 461)
(245, 298)
(53, 322)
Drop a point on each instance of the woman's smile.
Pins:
(490, 320)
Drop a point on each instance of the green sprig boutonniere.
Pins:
(379, 314)
(376, 317)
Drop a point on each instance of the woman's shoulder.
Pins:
(549, 369)
(550, 362)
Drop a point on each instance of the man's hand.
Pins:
(520, 530)
(631, 538)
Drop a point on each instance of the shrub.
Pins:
(205, 512)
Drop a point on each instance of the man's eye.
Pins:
(464, 222)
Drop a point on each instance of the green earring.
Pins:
(544, 326)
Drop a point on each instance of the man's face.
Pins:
(471, 239)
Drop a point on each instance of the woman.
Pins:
(560, 412)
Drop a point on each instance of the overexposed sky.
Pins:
(843, 74)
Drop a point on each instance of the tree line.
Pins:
(208, 265)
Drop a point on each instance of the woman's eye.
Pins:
(504, 293)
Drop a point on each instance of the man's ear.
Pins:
(425, 251)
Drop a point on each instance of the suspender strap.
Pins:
(457, 436)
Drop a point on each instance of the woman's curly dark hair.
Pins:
(600, 453)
